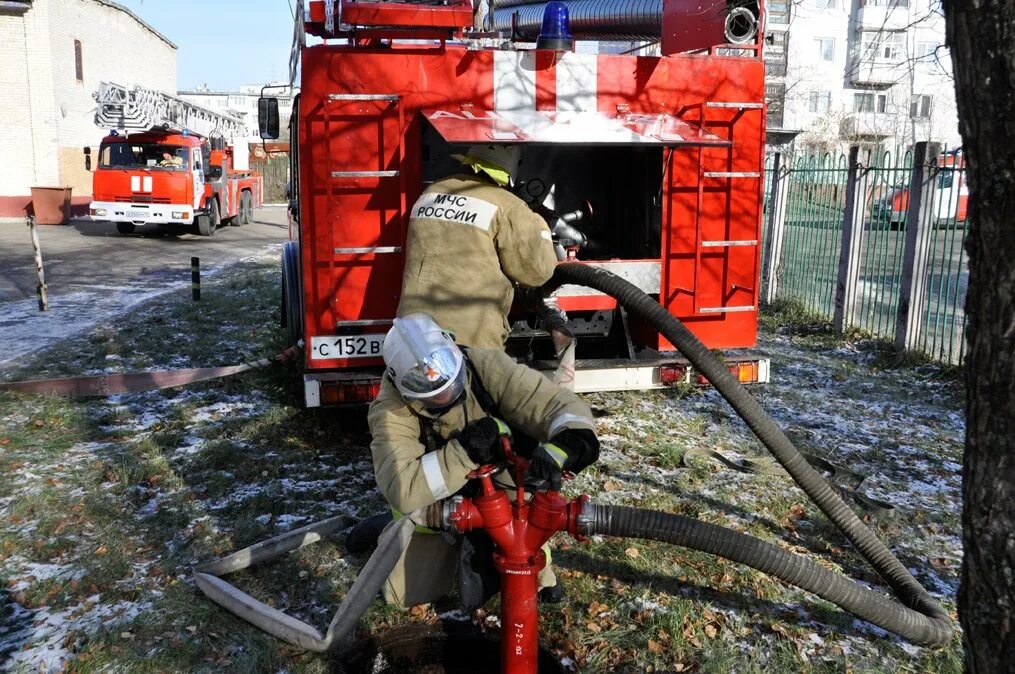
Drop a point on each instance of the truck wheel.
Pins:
(250, 209)
(209, 222)
(241, 213)
(125, 228)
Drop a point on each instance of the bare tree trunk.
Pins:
(980, 36)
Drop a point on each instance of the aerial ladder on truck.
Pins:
(140, 109)
(176, 165)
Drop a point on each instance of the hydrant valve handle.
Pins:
(486, 470)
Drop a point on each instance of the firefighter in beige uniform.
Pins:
(439, 415)
(470, 241)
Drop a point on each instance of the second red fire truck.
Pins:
(168, 165)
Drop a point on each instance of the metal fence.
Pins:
(873, 241)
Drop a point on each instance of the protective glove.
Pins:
(571, 449)
(481, 439)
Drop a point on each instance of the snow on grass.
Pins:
(37, 640)
(169, 479)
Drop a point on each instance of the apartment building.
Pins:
(869, 72)
(242, 104)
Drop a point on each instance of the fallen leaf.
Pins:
(595, 608)
(611, 485)
(632, 552)
(419, 610)
(655, 646)
(101, 550)
(192, 628)
(593, 627)
(711, 630)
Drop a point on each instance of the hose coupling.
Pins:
(585, 522)
(437, 515)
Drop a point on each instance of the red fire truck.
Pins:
(661, 156)
(165, 173)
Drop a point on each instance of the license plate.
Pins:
(137, 215)
(346, 346)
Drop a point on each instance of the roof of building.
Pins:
(116, 5)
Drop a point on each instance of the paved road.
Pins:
(94, 274)
(85, 254)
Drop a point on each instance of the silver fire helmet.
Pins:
(424, 362)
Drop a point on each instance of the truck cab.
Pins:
(149, 178)
(174, 181)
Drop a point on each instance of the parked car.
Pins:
(950, 195)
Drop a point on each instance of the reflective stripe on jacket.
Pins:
(412, 475)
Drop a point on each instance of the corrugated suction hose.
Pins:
(922, 620)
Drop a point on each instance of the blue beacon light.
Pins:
(555, 32)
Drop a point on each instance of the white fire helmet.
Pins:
(424, 362)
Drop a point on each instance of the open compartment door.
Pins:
(471, 125)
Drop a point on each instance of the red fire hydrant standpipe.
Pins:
(519, 528)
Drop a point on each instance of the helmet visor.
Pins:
(431, 373)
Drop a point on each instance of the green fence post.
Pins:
(920, 222)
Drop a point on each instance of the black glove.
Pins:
(481, 439)
(571, 449)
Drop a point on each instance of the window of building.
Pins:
(919, 107)
(775, 54)
(778, 12)
(775, 98)
(823, 4)
(826, 48)
(870, 102)
(888, 46)
(819, 101)
(884, 3)
(79, 66)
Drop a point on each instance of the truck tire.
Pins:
(250, 208)
(292, 294)
(125, 228)
(243, 213)
(209, 222)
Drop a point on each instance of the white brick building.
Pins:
(242, 104)
(53, 54)
(867, 72)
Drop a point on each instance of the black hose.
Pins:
(935, 626)
(767, 558)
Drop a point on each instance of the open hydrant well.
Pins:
(451, 648)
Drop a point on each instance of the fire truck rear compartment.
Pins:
(616, 188)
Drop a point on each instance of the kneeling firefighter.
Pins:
(470, 240)
(440, 414)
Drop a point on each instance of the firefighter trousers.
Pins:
(428, 567)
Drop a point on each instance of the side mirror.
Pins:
(267, 118)
(88, 159)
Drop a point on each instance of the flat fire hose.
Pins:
(843, 480)
(364, 590)
(132, 382)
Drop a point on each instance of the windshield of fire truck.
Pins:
(144, 155)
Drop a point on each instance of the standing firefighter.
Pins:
(440, 414)
(470, 240)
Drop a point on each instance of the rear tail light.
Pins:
(339, 393)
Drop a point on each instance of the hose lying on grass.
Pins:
(921, 620)
(355, 603)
